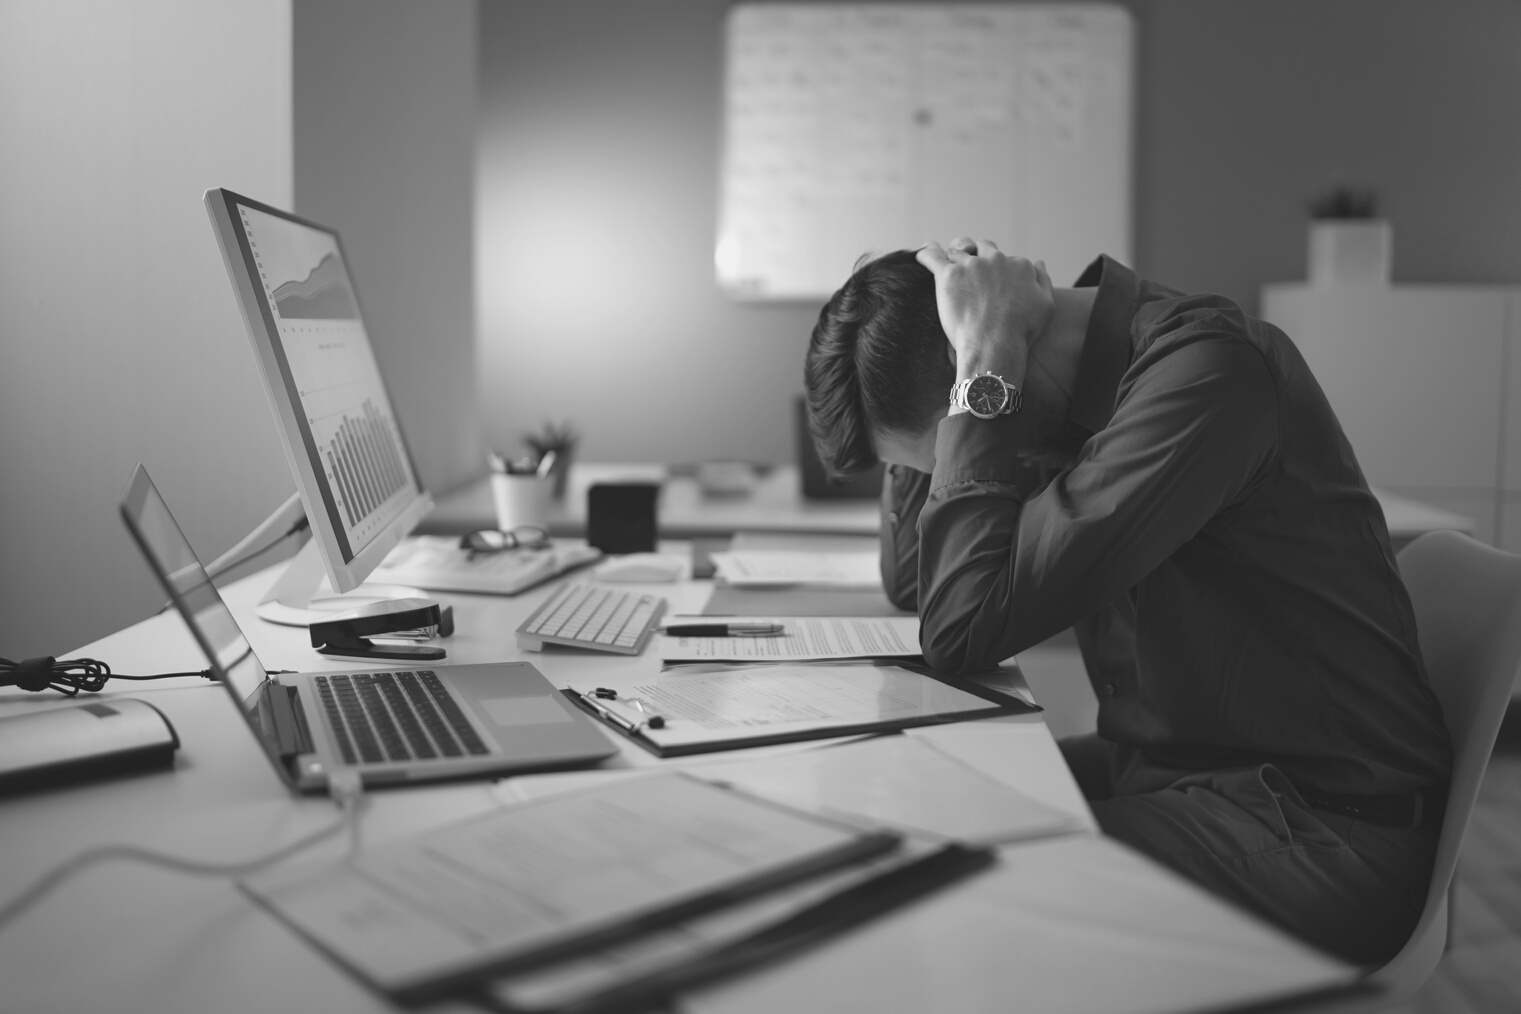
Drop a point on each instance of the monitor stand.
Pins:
(302, 595)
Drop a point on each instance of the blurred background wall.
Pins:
(599, 139)
(384, 120)
(119, 341)
(1248, 109)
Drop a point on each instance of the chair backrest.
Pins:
(1467, 599)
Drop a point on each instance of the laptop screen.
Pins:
(169, 555)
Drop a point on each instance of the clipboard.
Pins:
(968, 701)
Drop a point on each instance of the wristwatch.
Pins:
(986, 395)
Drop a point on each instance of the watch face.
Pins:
(986, 396)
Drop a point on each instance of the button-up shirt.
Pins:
(1213, 542)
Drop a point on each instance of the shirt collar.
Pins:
(1106, 346)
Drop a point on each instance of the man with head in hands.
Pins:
(1161, 472)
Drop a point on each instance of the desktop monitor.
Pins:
(341, 436)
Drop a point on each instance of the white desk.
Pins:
(778, 505)
(1073, 924)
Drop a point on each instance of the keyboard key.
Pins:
(380, 719)
(410, 727)
(432, 721)
(335, 722)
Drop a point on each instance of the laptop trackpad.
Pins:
(534, 710)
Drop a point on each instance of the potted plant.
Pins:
(561, 439)
(1349, 243)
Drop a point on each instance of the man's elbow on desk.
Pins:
(962, 645)
(960, 637)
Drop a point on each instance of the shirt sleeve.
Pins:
(904, 491)
(1005, 563)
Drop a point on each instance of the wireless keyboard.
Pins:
(588, 616)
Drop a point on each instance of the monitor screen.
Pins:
(332, 375)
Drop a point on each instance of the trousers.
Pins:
(1349, 887)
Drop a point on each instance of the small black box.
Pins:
(620, 516)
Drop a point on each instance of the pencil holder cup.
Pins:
(520, 500)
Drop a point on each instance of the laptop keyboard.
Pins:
(383, 717)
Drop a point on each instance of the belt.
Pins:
(1420, 809)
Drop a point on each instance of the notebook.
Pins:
(437, 563)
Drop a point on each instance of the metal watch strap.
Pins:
(959, 391)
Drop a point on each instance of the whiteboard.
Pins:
(851, 129)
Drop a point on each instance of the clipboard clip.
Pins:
(596, 702)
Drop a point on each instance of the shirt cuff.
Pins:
(969, 449)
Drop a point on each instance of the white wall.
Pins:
(119, 337)
(600, 125)
(385, 116)
(599, 134)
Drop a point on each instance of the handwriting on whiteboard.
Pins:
(865, 128)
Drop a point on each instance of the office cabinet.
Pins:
(1426, 380)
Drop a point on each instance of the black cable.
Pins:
(295, 529)
(69, 676)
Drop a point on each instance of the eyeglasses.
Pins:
(491, 540)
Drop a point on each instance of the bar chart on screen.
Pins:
(333, 368)
(363, 461)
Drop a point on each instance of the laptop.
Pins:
(389, 726)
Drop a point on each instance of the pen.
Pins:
(725, 630)
(607, 713)
(593, 701)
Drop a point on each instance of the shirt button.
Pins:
(1109, 690)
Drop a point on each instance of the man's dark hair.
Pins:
(876, 362)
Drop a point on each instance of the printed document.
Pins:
(902, 782)
(803, 639)
(777, 566)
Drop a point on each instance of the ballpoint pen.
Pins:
(608, 714)
(725, 630)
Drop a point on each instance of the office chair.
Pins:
(1467, 599)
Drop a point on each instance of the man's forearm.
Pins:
(1008, 559)
(968, 568)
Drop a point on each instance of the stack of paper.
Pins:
(891, 781)
(754, 567)
(532, 883)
